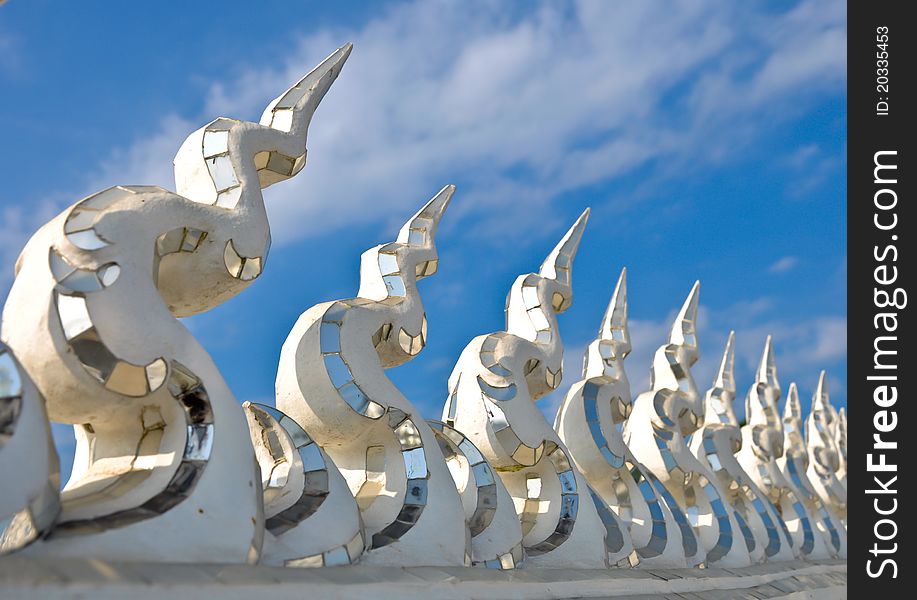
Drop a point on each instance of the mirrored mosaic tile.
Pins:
(87, 240)
(215, 142)
(222, 172)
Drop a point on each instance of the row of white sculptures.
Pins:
(169, 467)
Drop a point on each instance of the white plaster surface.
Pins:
(27, 579)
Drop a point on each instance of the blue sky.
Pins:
(709, 138)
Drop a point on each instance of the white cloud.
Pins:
(803, 156)
(784, 264)
(797, 50)
(149, 162)
(17, 223)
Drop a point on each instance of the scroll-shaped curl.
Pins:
(161, 442)
(596, 404)
(662, 418)
(488, 507)
(491, 400)
(715, 445)
(311, 517)
(331, 381)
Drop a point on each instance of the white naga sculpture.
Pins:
(492, 391)
(598, 404)
(828, 528)
(824, 451)
(332, 381)
(764, 449)
(715, 445)
(161, 472)
(661, 421)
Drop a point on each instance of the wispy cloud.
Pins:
(784, 264)
(810, 167)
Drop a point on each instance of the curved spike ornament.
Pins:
(492, 391)
(715, 445)
(331, 381)
(92, 316)
(763, 450)
(597, 404)
(661, 421)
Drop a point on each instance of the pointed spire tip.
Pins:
(561, 257)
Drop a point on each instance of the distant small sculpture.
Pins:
(492, 391)
(588, 421)
(715, 445)
(163, 470)
(795, 465)
(331, 381)
(762, 453)
(824, 453)
(661, 420)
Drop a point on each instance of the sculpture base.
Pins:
(45, 578)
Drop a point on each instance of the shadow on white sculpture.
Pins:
(496, 535)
